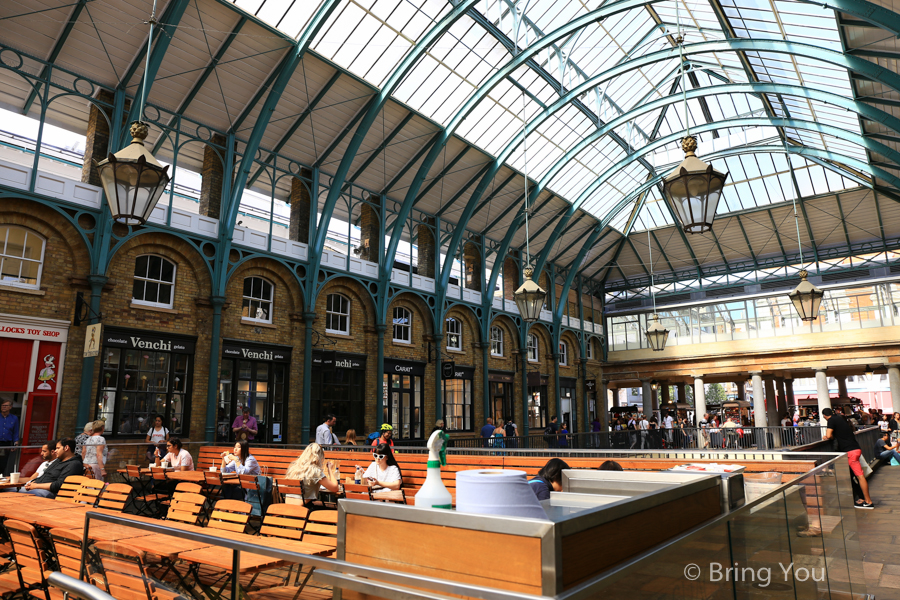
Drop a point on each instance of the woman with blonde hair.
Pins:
(312, 471)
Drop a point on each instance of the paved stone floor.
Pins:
(879, 535)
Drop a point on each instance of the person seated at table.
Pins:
(384, 472)
(67, 463)
(37, 465)
(239, 460)
(884, 449)
(610, 465)
(549, 479)
(178, 457)
(313, 472)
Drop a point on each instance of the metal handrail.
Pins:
(76, 588)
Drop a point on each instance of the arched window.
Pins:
(563, 354)
(21, 257)
(258, 297)
(337, 314)
(532, 348)
(454, 334)
(496, 341)
(402, 325)
(154, 281)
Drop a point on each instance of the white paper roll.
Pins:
(497, 492)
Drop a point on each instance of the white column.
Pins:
(771, 404)
(894, 382)
(699, 400)
(823, 393)
(646, 398)
(759, 402)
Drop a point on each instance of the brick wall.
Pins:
(96, 142)
(425, 244)
(510, 278)
(507, 363)
(369, 229)
(472, 266)
(300, 206)
(213, 176)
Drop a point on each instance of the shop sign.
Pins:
(591, 385)
(332, 360)
(47, 367)
(500, 377)
(31, 328)
(460, 372)
(567, 382)
(92, 337)
(237, 349)
(144, 341)
(402, 367)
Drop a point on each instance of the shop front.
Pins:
(457, 394)
(538, 400)
(32, 352)
(338, 388)
(256, 376)
(501, 389)
(404, 406)
(567, 405)
(145, 374)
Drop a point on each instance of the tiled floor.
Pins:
(879, 535)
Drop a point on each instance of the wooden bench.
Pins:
(413, 466)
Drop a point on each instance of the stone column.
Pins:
(425, 246)
(741, 396)
(646, 398)
(370, 229)
(300, 206)
(96, 142)
(842, 386)
(759, 400)
(823, 393)
(213, 177)
(893, 374)
(664, 386)
(699, 400)
(680, 394)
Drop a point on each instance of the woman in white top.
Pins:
(94, 450)
(312, 471)
(178, 457)
(156, 435)
(384, 472)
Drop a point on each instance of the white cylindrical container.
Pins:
(497, 492)
(433, 493)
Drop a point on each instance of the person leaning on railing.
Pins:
(839, 430)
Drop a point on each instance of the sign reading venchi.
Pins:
(251, 351)
(141, 340)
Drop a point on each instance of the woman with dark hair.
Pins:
(549, 479)
(239, 460)
(384, 472)
(610, 465)
(178, 457)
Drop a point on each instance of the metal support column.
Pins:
(438, 380)
(308, 318)
(87, 366)
(212, 392)
(380, 385)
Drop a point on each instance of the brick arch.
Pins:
(471, 324)
(54, 228)
(510, 332)
(360, 299)
(170, 246)
(272, 270)
(423, 321)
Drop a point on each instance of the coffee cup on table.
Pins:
(14, 478)
(165, 464)
(213, 468)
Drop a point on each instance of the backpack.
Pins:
(510, 430)
(373, 436)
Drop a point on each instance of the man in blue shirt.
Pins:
(487, 431)
(9, 432)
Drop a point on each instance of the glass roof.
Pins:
(370, 38)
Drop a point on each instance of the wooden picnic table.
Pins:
(388, 495)
(49, 519)
(191, 476)
(6, 485)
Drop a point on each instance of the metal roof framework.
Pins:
(442, 109)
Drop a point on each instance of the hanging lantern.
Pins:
(654, 385)
(806, 298)
(657, 335)
(870, 372)
(529, 298)
(133, 179)
(694, 189)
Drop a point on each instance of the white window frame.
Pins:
(338, 314)
(496, 341)
(589, 350)
(455, 328)
(406, 313)
(532, 348)
(171, 303)
(40, 261)
(271, 302)
(563, 354)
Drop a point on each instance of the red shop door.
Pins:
(15, 363)
(39, 422)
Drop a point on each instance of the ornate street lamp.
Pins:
(806, 298)
(656, 334)
(529, 298)
(694, 189)
(654, 385)
(132, 177)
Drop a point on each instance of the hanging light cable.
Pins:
(694, 187)
(806, 297)
(132, 178)
(529, 297)
(656, 333)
